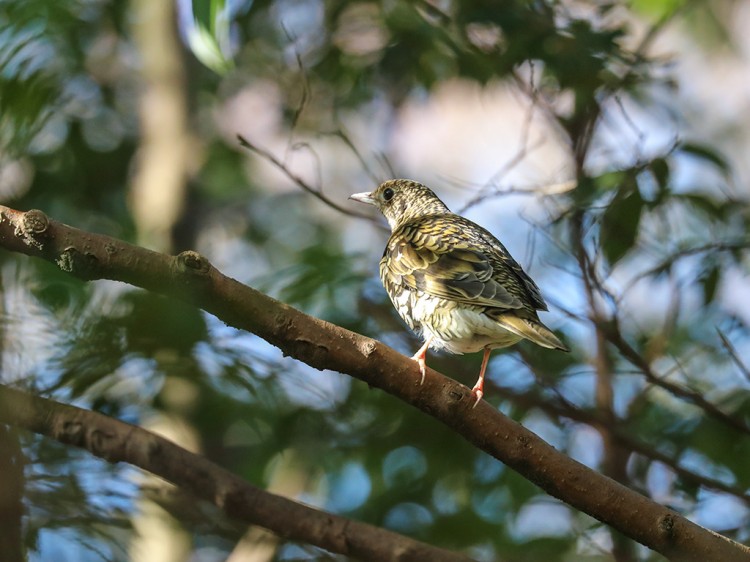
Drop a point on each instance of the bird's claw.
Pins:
(420, 359)
(479, 394)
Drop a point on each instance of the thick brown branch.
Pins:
(11, 495)
(116, 441)
(325, 346)
(624, 438)
(560, 408)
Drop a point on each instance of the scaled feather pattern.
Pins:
(452, 281)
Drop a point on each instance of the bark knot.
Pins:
(35, 222)
(33, 225)
(193, 262)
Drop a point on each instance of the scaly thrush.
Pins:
(453, 282)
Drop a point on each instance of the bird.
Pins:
(452, 282)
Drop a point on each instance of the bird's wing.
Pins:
(506, 261)
(450, 259)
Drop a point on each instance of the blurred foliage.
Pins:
(664, 226)
(208, 34)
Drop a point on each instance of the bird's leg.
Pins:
(479, 386)
(419, 357)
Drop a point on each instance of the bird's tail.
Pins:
(532, 330)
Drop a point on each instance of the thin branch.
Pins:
(316, 192)
(116, 441)
(628, 352)
(729, 346)
(514, 161)
(524, 149)
(305, 90)
(341, 135)
(615, 457)
(563, 408)
(614, 336)
(322, 345)
(726, 246)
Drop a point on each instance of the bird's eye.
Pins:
(388, 194)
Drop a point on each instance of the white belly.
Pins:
(454, 329)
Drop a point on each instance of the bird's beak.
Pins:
(364, 197)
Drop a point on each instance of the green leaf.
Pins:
(707, 204)
(660, 168)
(658, 9)
(710, 281)
(28, 85)
(208, 38)
(620, 224)
(589, 189)
(706, 153)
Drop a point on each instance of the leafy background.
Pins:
(601, 141)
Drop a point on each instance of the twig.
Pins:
(629, 353)
(318, 193)
(728, 246)
(729, 346)
(340, 134)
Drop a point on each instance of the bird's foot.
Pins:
(479, 394)
(478, 390)
(420, 359)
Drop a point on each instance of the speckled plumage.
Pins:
(452, 281)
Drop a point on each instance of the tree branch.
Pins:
(11, 495)
(610, 328)
(612, 331)
(115, 441)
(561, 408)
(322, 345)
(316, 192)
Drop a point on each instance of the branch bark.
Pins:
(11, 496)
(322, 345)
(116, 441)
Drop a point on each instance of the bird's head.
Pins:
(403, 200)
